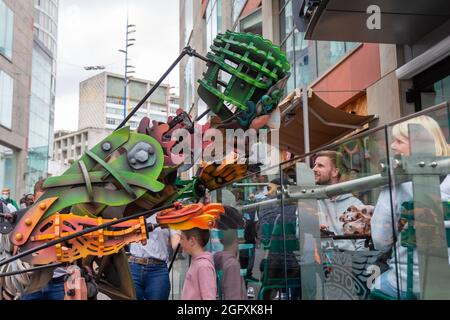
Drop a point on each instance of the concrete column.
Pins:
(387, 97)
(388, 58)
(270, 18)
(226, 15)
(383, 99)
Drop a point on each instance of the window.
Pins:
(6, 99)
(110, 121)
(330, 52)
(309, 59)
(41, 117)
(435, 93)
(6, 30)
(115, 87)
(174, 100)
(114, 100)
(136, 90)
(430, 87)
(236, 9)
(189, 84)
(188, 20)
(114, 111)
(8, 161)
(213, 21)
(159, 96)
(298, 50)
(157, 108)
(252, 23)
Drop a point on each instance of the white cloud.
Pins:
(91, 32)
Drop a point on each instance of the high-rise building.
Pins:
(42, 99)
(102, 101)
(16, 46)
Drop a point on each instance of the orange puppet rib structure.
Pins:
(191, 216)
(100, 243)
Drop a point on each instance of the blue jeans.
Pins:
(53, 291)
(151, 281)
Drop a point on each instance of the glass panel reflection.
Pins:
(365, 218)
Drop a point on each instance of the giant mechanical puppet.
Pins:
(100, 204)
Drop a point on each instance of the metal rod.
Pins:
(333, 124)
(194, 53)
(234, 116)
(294, 193)
(174, 257)
(345, 237)
(203, 114)
(274, 201)
(48, 266)
(80, 233)
(243, 184)
(305, 122)
(186, 51)
(325, 192)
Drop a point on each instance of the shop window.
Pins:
(431, 87)
(436, 93)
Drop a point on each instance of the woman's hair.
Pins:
(441, 145)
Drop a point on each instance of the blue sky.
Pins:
(90, 32)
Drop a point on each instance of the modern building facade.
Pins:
(42, 98)
(338, 72)
(102, 101)
(414, 48)
(347, 69)
(16, 47)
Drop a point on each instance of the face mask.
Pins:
(5, 196)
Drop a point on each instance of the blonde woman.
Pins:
(381, 222)
(400, 135)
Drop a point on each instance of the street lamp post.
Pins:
(128, 43)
